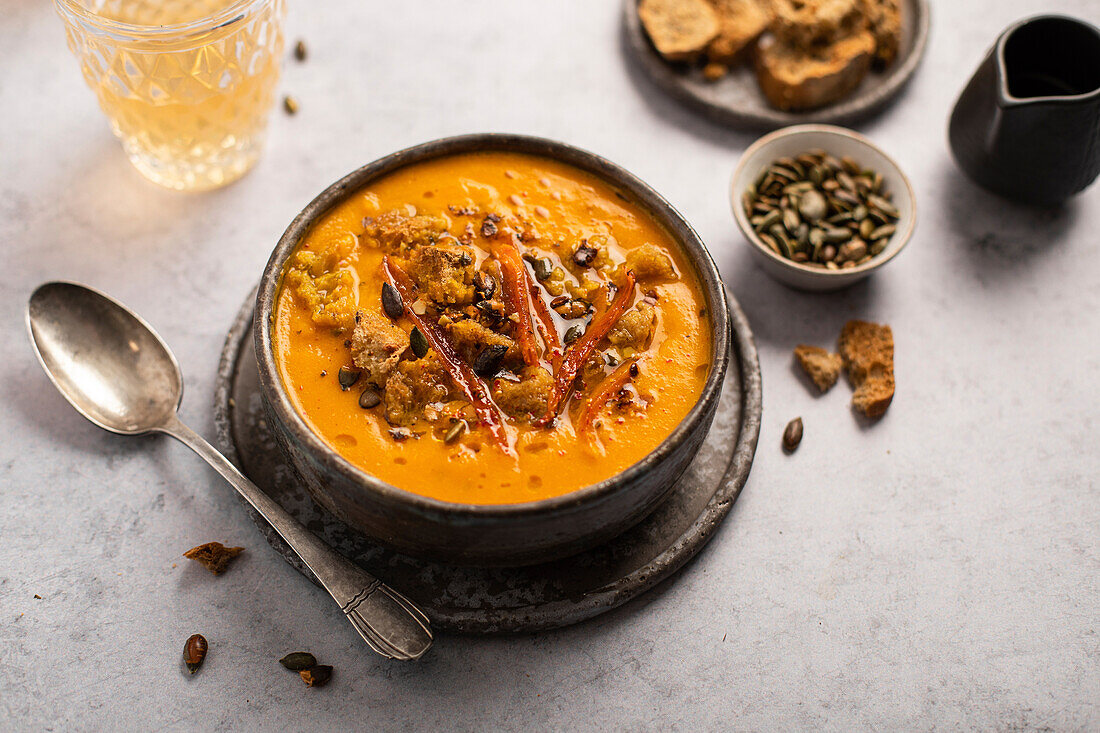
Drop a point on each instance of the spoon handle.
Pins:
(390, 623)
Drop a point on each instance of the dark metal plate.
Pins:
(736, 99)
(495, 600)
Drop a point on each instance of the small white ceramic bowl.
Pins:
(839, 141)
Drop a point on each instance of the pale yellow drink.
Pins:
(187, 85)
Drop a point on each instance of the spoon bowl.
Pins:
(106, 361)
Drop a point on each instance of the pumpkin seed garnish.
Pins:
(455, 432)
(584, 254)
(368, 398)
(540, 266)
(487, 362)
(392, 304)
(194, 652)
(485, 284)
(419, 343)
(574, 333)
(348, 377)
(297, 661)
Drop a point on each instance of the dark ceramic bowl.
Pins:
(509, 534)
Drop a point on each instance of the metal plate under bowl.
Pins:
(502, 600)
(736, 99)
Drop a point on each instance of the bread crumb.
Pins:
(868, 353)
(820, 365)
(214, 556)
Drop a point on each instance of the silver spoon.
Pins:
(117, 372)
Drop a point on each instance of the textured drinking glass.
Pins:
(187, 84)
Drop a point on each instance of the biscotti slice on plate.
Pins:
(679, 29)
(796, 79)
(868, 353)
(883, 18)
(740, 22)
(821, 366)
(807, 23)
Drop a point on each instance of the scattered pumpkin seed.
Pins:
(194, 652)
(300, 50)
(290, 104)
(792, 435)
(297, 661)
(317, 676)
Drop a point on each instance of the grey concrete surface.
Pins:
(938, 570)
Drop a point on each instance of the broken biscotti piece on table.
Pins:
(868, 353)
(214, 556)
(821, 366)
(680, 29)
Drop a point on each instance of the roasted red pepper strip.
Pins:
(516, 289)
(515, 286)
(579, 351)
(547, 328)
(611, 384)
(461, 372)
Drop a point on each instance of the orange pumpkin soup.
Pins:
(491, 328)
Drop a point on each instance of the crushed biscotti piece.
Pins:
(868, 353)
(821, 366)
(740, 23)
(679, 29)
(214, 556)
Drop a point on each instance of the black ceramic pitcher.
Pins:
(1027, 126)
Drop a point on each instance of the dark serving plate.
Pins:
(736, 99)
(491, 600)
(512, 534)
